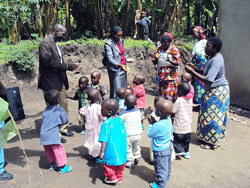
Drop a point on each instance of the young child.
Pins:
(94, 119)
(186, 77)
(132, 120)
(144, 22)
(54, 116)
(128, 91)
(153, 118)
(161, 133)
(182, 121)
(81, 95)
(139, 92)
(113, 138)
(121, 92)
(95, 78)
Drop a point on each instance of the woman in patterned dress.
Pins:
(166, 59)
(212, 120)
(199, 60)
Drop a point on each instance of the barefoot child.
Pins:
(82, 96)
(161, 133)
(95, 83)
(54, 117)
(132, 120)
(113, 138)
(182, 121)
(121, 92)
(94, 119)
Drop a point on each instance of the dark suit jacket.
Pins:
(52, 73)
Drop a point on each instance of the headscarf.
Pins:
(167, 37)
(168, 34)
(116, 29)
(200, 30)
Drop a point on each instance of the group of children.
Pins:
(113, 127)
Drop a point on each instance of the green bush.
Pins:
(23, 60)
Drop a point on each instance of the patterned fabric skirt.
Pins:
(167, 88)
(198, 90)
(212, 120)
(197, 84)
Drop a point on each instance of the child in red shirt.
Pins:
(139, 92)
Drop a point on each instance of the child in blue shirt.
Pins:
(121, 93)
(54, 116)
(114, 144)
(161, 133)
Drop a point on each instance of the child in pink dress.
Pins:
(139, 92)
(94, 119)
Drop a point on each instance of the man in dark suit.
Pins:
(52, 69)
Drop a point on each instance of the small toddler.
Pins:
(121, 93)
(139, 92)
(54, 116)
(94, 119)
(182, 121)
(153, 118)
(81, 95)
(132, 120)
(114, 143)
(186, 77)
(161, 133)
(96, 84)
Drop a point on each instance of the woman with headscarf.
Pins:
(198, 61)
(116, 61)
(167, 58)
(212, 120)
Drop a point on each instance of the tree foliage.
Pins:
(94, 18)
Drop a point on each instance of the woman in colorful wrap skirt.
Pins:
(167, 58)
(212, 120)
(199, 60)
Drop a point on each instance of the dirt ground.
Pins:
(227, 166)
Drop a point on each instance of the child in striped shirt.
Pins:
(182, 121)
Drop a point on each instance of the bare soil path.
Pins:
(228, 166)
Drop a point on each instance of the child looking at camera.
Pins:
(94, 119)
(81, 95)
(114, 143)
(54, 116)
(139, 92)
(96, 84)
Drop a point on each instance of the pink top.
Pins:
(93, 116)
(122, 51)
(183, 115)
(140, 94)
(190, 95)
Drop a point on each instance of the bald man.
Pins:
(52, 68)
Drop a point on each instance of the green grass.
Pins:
(6, 50)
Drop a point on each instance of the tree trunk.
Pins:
(188, 18)
(41, 19)
(68, 17)
(47, 18)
